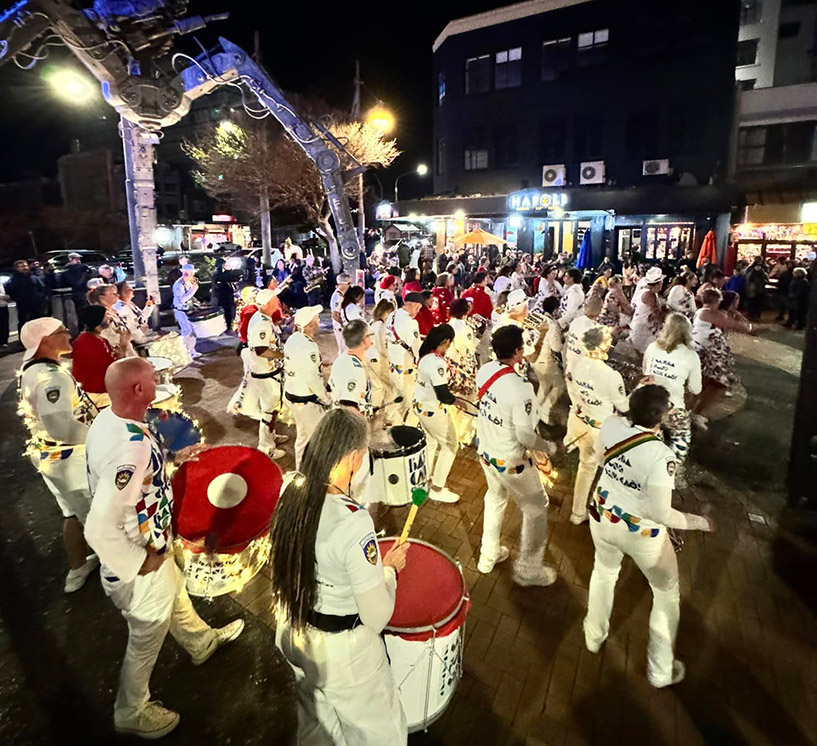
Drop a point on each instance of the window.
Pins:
(556, 57)
(476, 149)
(508, 69)
(478, 74)
(788, 30)
(750, 11)
(747, 52)
(552, 139)
(641, 134)
(777, 144)
(442, 156)
(506, 146)
(685, 131)
(440, 88)
(747, 85)
(591, 47)
(751, 146)
(588, 136)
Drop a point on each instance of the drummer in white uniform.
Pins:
(506, 444)
(379, 370)
(432, 400)
(335, 594)
(573, 346)
(58, 413)
(129, 526)
(570, 305)
(304, 389)
(632, 510)
(516, 311)
(596, 391)
(463, 350)
(260, 393)
(349, 379)
(335, 303)
(403, 341)
(546, 362)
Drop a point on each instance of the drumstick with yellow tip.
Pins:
(418, 497)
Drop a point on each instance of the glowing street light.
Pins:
(71, 86)
(421, 170)
(381, 119)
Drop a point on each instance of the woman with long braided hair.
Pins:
(334, 594)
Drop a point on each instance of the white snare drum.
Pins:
(398, 465)
(208, 324)
(426, 633)
(170, 346)
(163, 367)
(168, 396)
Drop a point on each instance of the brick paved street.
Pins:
(748, 632)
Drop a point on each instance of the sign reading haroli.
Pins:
(536, 199)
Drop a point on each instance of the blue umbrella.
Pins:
(585, 258)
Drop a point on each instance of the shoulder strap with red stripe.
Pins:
(628, 444)
(493, 379)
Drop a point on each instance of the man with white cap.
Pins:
(403, 345)
(184, 293)
(572, 298)
(596, 393)
(304, 388)
(58, 413)
(343, 282)
(516, 311)
(349, 379)
(260, 392)
(129, 526)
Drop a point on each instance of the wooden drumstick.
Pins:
(418, 497)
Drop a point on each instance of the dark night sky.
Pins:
(309, 48)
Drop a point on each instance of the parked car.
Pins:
(93, 259)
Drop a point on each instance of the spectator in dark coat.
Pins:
(756, 279)
(26, 292)
(783, 283)
(799, 292)
(76, 276)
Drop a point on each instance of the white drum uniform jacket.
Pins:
(574, 344)
(403, 340)
(675, 371)
(508, 416)
(302, 362)
(595, 389)
(571, 304)
(334, 306)
(350, 383)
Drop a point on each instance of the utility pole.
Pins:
(266, 225)
(361, 210)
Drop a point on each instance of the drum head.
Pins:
(174, 430)
(165, 391)
(225, 499)
(431, 590)
(402, 440)
(160, 363)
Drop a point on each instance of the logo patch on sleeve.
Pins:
(671, 467)
(350, 385)
(528, 407)
(369, 547)
(53, 394)
(441, 371)
(123, 475)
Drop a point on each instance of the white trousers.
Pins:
(67, 480)
(339, 339)
(441, 443)
(551, 387)
(347, 695)
(583, 436)
(655, 558)
(529, 495)
(404, 386)
(153, 605)
(307, 416)
(186, 330)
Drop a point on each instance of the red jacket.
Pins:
(244, 321)
(425, 320)
(482, 304)
(92, 357)
(444, 300)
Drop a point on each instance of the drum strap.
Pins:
(333, 622)
(295, 399)
(403, 344)
(627, 445)
(493, 379)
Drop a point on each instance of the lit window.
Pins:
(476, 160)
(591, 47)
(556, 54)
(508, 69)
(440, 88)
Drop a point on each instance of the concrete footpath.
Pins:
(748, 632)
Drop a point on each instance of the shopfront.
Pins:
(772, 241)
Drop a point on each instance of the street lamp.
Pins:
(421, 170)
(381, 118)
(71, 86)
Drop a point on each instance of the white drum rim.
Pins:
(401, 451)
(171, 389)
(151, 358)
(452, 615)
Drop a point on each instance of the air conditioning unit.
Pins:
(553, 176)
(655, 168)
(592, 172)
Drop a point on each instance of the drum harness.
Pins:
(403, 344)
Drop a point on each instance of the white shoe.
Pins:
(679, 671)
(225, 634)
(593, 647)
(76, 578)
(281, 438)
(194, 355)
(274, 453)
(700, 422)
(443, 495)
(577, 520)
(544, 575)
(154, 721)
(486, 566)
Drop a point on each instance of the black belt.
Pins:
(276, 374)
(311, 399)
(333, 622)
(349, 403)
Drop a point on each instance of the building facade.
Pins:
(582, 115)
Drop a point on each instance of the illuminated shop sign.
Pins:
(534, 199)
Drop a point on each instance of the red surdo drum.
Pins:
(222, 505)
(426, 633)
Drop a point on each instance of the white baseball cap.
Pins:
(654, 274)
(35, 331)
(262, 297)
(517, 298)
(304, 315)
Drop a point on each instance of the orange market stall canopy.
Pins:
(479, 237)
